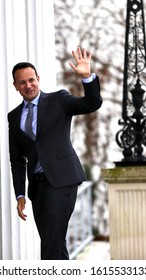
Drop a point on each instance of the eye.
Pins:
(22, 83)
(31, 80)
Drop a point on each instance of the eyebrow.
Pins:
(26, 79)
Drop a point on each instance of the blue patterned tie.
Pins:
(29, 119)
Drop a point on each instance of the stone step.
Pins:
(96, 250)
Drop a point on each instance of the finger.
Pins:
(20, 209)
(75, 56)
(72, 65)
(84, 53)
(79, 53)
(22, 215)
(89, 56)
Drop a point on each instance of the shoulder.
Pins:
(58, 95)
(54, 93)
(15, 111)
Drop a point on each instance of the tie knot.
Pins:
(29, 105)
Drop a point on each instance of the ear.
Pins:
(38, 78)
(15, 85)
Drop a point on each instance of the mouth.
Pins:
(29, 91)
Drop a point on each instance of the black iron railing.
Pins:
(132, 137)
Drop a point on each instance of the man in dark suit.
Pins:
(53, 168)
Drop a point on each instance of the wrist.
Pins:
(86, 76)
(20, 196)
(90, 79)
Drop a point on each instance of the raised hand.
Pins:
(83, 61)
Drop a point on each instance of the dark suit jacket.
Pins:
(53, 146)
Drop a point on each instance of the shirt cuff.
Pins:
(19, 196)
(90, 79)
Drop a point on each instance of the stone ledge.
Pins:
(122, 174)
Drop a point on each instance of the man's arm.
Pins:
(92, 100)
(18, 167)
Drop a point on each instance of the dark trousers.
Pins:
(52, 209)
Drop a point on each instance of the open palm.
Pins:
(83, 60)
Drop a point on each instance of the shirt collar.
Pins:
(34, 101)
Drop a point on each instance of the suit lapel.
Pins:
(17, 117)
(42, 115)
(17, 120)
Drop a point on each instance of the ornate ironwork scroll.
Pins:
(132, 137)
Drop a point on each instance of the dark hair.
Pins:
(23, 65)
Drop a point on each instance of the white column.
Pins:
(127, 211)
(26, 34)
(127, 208)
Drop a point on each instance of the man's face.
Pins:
(27, 83)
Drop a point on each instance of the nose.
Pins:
(28, 85)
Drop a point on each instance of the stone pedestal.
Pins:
(127, 211)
